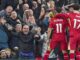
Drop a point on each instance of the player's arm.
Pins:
(50, 28)
(69, 21)
(49, 35)
(49, 32)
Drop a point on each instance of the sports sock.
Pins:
(66, 57)
(72, 56)
(46, 55)
(77, 55)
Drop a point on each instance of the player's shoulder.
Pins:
(77, 15)
(70, 15)
(61, 16)
(52, 20)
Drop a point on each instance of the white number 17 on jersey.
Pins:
(75, 24)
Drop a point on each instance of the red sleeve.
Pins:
(67, 15)
(51, 23)
(67, 23)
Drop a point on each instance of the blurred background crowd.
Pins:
(24, 24)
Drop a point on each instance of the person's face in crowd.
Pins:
(26, 12)
(34, 4)
(9, 9)
(71, 9)
(30, 12)
(51, 5)
(13, 15)
(18, 27)
(25, 7)
(25, 29)
(42, 12)
(3, 55)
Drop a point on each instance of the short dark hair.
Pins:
(58, 9)
(74, 6)
(23, 24)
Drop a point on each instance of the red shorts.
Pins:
(74, 41)
(58, 39)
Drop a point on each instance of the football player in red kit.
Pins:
(59, 24)
(74, 31)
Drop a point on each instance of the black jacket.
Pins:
(14, 40)
(26, 42)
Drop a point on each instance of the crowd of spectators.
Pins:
(23, 27)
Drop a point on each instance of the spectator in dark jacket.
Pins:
(26, 43)
(43, 20)
(13, 20)
(23, 7)
(14, 40)
(11, 23)
(3, 33)
(36, 10)
(4, 48)
(15, 37)
(26, 37)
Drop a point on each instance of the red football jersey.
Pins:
(59, 24)
(74, 22)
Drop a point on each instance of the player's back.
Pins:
(74, 22)
(59, 24)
